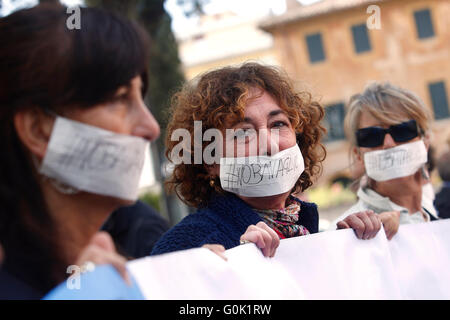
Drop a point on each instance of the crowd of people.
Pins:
(75, 128)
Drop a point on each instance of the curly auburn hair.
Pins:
(218, 98)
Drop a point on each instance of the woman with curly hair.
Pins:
(267, 147)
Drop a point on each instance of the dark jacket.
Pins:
(442, 202)
(223, 222)
(11, 288)
(135, 229)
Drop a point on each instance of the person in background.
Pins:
(442, 200)
(135, 229)
(387, 127)
(73, 129)
(260, 124)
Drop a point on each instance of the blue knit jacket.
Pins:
(223, 222)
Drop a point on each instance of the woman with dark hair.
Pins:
(73, 130)
(267, 148)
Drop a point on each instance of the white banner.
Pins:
(330, 265)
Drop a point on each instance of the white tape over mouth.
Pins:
(401, 161)
(94, 160)
(262, 176)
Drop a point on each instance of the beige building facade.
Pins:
(329, 50)
(224, 39)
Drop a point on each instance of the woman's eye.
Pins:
(240, 134)
(279, 124)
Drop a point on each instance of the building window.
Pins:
(315, 47)
(439, 99)
(334, 122)
(424, 25)
(361, 38)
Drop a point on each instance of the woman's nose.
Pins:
(146, 125)
(388, 141)
(269, 142)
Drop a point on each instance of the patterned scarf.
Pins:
(284, 221)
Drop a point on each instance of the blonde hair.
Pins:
(389, 105)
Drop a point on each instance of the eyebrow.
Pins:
(271, 115)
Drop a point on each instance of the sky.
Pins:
(179, 21)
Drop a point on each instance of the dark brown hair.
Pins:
(45, 65)
(218, 97)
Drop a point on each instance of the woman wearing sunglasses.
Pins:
(388, 129)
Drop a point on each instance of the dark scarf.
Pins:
(284, 221)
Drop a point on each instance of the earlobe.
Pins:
(357, 168)
(213, 170)
(353, 154)
(357, 154)
(34, 128)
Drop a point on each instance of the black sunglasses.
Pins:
(374, 136)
